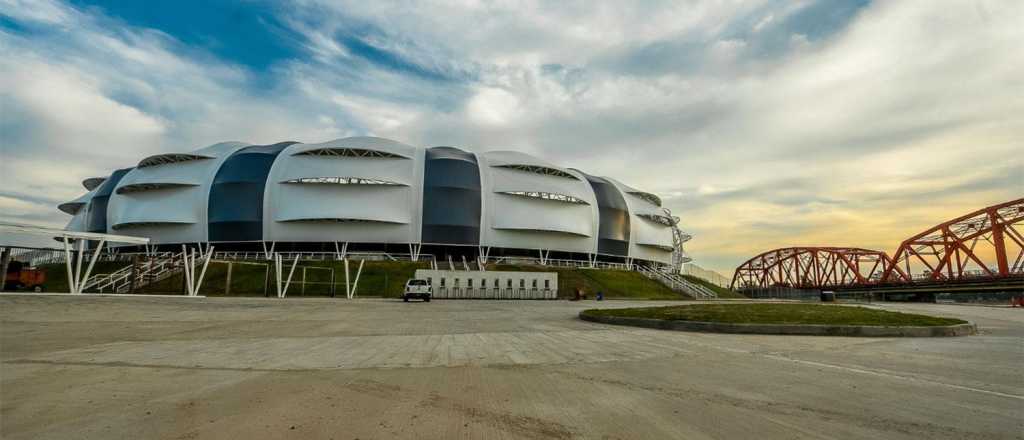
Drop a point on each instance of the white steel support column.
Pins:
(342, 252)
(279, 263)
(544, 257)
(202, 273)
(465, 265)
(355, 284)
(277, 274)
(189, 268)
(414, 251)
(483, 253)
(76, 282)
(88, 271)
(78, 265)
(67, 262)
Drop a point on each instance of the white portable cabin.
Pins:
(460, 284)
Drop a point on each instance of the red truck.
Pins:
(21, 277)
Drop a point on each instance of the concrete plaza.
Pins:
(137, 367)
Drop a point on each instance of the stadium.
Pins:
(377, 195)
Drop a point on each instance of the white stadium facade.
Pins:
(377, 195)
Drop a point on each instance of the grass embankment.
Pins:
(384, 278)
(249, 278)
(778, 314)
(57, 274)
(722, 292)
(619, 284)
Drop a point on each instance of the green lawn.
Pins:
(57, 274)
(379, 278)
(778, 314)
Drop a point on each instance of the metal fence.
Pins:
(706, 275)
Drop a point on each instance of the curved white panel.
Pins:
(514, 180)
(77, 222)
(182, 173)
(341, 180)
(174, 205)
(93, 182)
(170, 158)
(647, 197)
(294, 165)
(515, 221)
(648, 239)
(151, 186)
(545, 196)
(173, 214)
(639, 204)
(345, 198)
(652, 233)
(360, 143)
(542, 215)
(528, 164)
(297, 167)
(380, 203)
(75, 206)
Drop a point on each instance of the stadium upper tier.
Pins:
(373, 192)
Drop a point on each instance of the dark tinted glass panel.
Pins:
(97, 214)
(448, 173)
(613, 218)
(231, 202)
(445, 206)
(235, 231)
(236, 197)
(451, 197)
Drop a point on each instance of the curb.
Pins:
(93, 295)
(787, 329)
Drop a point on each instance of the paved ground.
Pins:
(181, 368)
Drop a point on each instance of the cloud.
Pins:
(763, 123)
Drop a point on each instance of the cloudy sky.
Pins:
(762, 123)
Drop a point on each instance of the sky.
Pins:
(761, 123)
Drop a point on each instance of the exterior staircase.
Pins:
(677, 283)
(152, 270)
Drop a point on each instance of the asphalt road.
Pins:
(183, 368)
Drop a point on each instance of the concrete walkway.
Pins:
(101, 367)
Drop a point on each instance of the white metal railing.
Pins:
(154, 269)
(578, 264)
(706, 274)
(322, 256)
(161, 265)
(677, 283)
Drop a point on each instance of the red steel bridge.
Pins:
(985, 244)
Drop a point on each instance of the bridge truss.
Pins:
(986, 243)
(813, 267)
